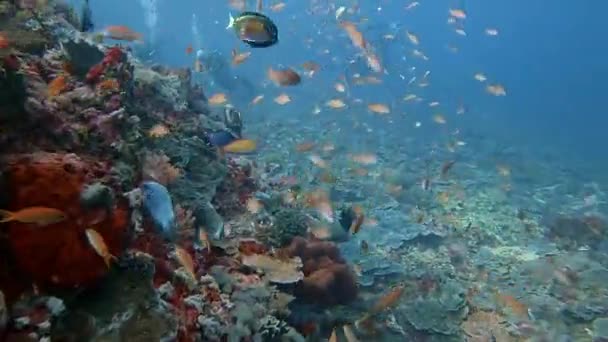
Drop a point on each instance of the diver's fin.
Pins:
(230, 21)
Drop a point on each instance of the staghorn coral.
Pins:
(276, 270)
(158, 167)
(59, 254)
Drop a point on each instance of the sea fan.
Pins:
(157, 167)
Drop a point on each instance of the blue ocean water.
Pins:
(530, 168)
(548, 56)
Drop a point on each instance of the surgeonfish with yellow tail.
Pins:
(41, 216)
(99, 245)
(254, 29)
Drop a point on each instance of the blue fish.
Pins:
(220, 138)
(159, 206)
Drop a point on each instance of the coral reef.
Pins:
(59, 254)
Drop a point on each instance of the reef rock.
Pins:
(59, 253)
(169, 90)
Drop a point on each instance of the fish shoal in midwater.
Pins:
(41, 216)
(254, 29)
(159, 207)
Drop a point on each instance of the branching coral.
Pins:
(158, 167)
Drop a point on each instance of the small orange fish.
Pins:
(438, 118)
(241, 146)
(373, 62)
(238, 58)
(412, 37)
(203, 236)
(305, 146)
(284, 77)
(387, 300)
(217, 99)
(458, 13)
(365, 158)
(4, 42)
(321, 233)
(277, 7)
(254, 205)
(158, 131)
(109, 84)
(41, 216)
(378, 108)
(355, 226)
(120, 32)
(518, 308)
(185, 259)
(317, 161)
(189, 50)
(355, 36)
(57, 85)
(257, 99)
(311, 67)
(335, 104)
(99, 245)
(282, 99)
(496, 90)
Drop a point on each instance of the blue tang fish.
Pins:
(159, 206)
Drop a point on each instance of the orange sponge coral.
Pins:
(59, 254)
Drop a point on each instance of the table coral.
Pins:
(277, 270)
(59, 254)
